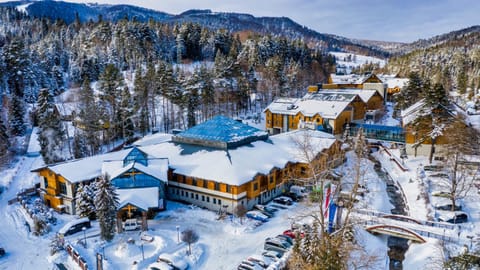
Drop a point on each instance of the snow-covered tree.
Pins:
(50, 133)
(4, 141)
(84, 201)
(106, 202)
(190, 237)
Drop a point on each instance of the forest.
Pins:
(130, 78)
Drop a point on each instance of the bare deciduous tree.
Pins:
(190, 236)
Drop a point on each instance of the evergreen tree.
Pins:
(106, 202)
(436, 96)
(110, 86)
(50, 134)
(4, 141)
(91, 119)
(84, 201)
(125, 112)
(166, 86)
(17, 116)
(462, 82)
(141, 102)
(80, 146)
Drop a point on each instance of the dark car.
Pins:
(454, 217)
(293, 196)
(448, 207)
(2, 252)
(283, 200)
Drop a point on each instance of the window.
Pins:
(229, 188)
(208, 199)
(219, 202)
(205, 183)
(196, 196)
(186, 194)
(203, 198)
(45, 182)
(194, 182)
(63, 188)
(182, 193)
(217, 186)
(270, 179)
(214, 201)
(255, 186)
(135, 156)
(191, 195)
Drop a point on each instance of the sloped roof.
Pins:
(157, 168)
(221, 132)
(143, 198)
(328, 104)
(239, 165)
(411, 113)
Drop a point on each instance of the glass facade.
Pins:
(137, 156)
(135, 179)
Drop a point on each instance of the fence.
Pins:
(76, 257)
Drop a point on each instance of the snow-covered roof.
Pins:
(350, 78)
(220, 131)
(157, 167)
(328, 104)
(86, 168)
(141, 197)
(364, 94)
(238, 166)
(411, 113)
(394, 82)
(153, 139)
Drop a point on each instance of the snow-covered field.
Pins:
(348, 61)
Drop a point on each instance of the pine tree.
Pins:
(125, 114)
(80, 146)
(111, 85)
(141, 102)
(4, 141)
(106, 202)
(84, 201)
(50, 134)
(16, 116)
(462, 82)
(91, 118)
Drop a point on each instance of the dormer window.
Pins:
(135, 156)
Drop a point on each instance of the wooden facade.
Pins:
(218, 196)
(57, 191)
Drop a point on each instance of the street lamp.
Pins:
(143, 255)
(84, 236)
(178, 234)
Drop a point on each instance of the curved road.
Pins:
(23, 250)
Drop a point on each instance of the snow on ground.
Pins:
(348, 61)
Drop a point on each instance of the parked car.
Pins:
(175, 262)
(453, 217)
(159, 266)
(283, 200)
(260, 260)
(2, 252)
(249, 265)
(75, 226)
(267, 211)
(272, 255)
(265, 208)
(293, 234)
(287, 242)
(257, 215)
(448, 207)
(293, 196)
(276, 245)
(131, 224)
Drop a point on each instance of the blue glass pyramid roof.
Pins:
(220, 132)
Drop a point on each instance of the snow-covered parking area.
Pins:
(222, 244)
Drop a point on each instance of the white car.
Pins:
(175, 262)
(159, 266)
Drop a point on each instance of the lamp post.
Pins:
(143, 255)
(471, 240)
(178, 234)
(84, 236)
